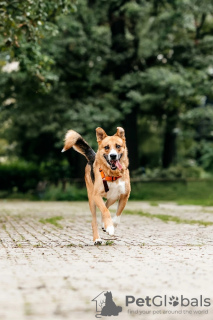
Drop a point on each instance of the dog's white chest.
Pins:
(115, 189)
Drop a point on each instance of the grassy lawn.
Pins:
(167, 218)
(196, 192)
(193, 192)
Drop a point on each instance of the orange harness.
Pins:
(105, 179)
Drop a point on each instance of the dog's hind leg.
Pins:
(108, 203)
(121, 205)
(96, 238)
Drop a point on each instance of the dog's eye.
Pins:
(118, 146)
(106, 148)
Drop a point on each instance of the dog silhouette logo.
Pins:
(105, 306)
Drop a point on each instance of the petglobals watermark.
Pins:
(167, 305)
(165, 301)
(106, 306)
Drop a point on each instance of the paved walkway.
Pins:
(51, 270)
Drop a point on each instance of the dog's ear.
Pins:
(120, 133)
(100, 134)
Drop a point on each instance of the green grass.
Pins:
(53, 221)
(196, 202)
(109, 242)
(167, 218)
(38, 245)
(153, 204)
(71, 245)
(19, 245)
(191, 192)
(28, 309)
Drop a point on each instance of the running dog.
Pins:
(106, 175)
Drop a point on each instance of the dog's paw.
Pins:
(98, 242)
(104, 230)
(110, 230)
(116, 220)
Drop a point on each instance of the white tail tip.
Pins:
(63, 150)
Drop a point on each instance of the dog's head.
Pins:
(112, 149)
(108, 294)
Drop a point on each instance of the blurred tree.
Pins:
(26, 20)
(73, 95)
(169, 70)
(23, 25)
(112, 63)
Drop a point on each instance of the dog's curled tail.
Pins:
(75, 140)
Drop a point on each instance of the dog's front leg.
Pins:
(108, 203)
(121, 205)
(107, 220)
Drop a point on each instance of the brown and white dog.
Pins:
(106, 175)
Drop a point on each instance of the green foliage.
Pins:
(189, 170)
(103, 65)
(23, 26)
(22, 176)
(72, 193)
(194, 116)
(206, 155)
(72, 95)
(19, 176)
(26, 18)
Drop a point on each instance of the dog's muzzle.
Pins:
(114, 160)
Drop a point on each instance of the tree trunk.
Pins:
(77, 163)
(119, 68)
(119, 43)
(170, 137)
(130, 126)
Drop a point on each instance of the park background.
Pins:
(143, 65)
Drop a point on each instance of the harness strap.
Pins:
(105, 179)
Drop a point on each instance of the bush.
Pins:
(19, 176)
(186, 171)
(71, 193)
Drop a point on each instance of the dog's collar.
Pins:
(107, 178)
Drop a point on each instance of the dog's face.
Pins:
(112, 148)
(108, 294)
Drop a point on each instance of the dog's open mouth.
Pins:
(114, 164)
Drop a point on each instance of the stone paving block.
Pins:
(52, 271)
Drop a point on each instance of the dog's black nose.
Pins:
(113, 156)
